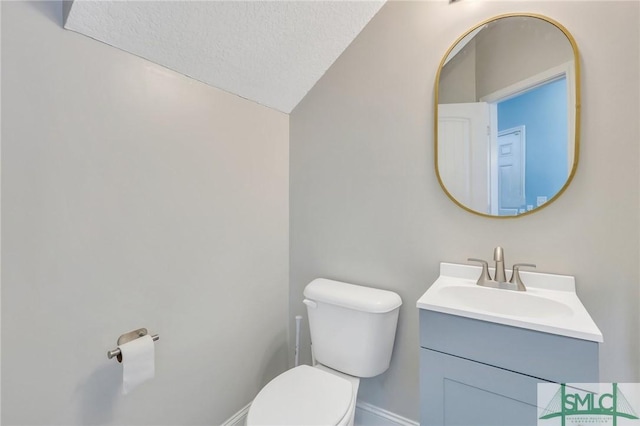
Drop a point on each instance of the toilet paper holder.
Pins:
(127, 337)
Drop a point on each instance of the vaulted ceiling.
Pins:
(271, 52)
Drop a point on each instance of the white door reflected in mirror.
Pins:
(511, 171)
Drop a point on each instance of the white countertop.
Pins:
(549, 305)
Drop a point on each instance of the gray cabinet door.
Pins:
(458, 392)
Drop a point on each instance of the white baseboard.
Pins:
(370, 415)
(366, 415)
(239, 418)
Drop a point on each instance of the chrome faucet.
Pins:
(500, 279)
(498, 256)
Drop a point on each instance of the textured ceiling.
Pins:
(271, 52)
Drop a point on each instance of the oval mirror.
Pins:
(507, 105)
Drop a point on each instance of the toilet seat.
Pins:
(302, 396)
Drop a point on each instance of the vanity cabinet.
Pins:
(475, 372)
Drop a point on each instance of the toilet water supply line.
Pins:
(297, 353)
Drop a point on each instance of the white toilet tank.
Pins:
(352, 327)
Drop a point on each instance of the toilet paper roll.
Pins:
(138, 362)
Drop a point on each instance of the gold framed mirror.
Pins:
(507, 115)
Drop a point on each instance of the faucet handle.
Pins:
(484, 276)
(515, 275)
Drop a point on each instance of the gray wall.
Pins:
(458, 77)
(366, 206)
(508, 51)
(132, 197)
(513, 50)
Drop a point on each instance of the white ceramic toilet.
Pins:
(352, 330)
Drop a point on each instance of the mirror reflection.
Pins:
(506, 105)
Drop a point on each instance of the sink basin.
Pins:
(549, 305)
(505, 302)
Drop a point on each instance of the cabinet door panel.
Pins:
(459, 392)
(552, 357)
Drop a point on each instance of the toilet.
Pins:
(352, 331)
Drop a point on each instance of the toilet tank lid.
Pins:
(351, 296)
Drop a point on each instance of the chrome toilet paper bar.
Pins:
(127, 337)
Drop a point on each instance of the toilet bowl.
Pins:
(306, 396)
(353, 330)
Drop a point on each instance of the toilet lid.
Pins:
(302, 396)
